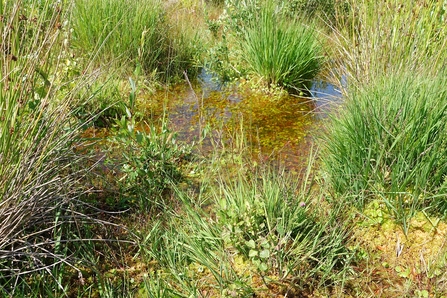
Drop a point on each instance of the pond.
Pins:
(273, 128)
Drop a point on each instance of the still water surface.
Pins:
(280, 129)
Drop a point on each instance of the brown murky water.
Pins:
(264, 126)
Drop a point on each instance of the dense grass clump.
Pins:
(266, 40)
(131, 34)
(39, 170)
(280, 49)
(389, 142)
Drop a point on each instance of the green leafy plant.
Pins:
(272, 222)
(151, 160)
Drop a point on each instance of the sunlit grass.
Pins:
(255, 233)
(376, 38)
(39, 169)
(281, 50)
(389, 142)
(132, 35)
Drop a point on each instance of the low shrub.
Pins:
(150, 160)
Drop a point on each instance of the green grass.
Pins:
(39, 171)
(220, 225)
(376, 38)
(281, 50)
(265, 40)
(241, 237)
(132, 35)
(389, 142)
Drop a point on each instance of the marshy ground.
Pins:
(239, 148)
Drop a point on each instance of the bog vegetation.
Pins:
(100, 198)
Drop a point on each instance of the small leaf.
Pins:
(129, 114)
(139, 137)
(265, 244)
(252, 253)
(263, 267)
(251, 244)
(264, 254)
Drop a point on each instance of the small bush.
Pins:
(151, 162)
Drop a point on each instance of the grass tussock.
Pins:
(264, 39)
(280, 49)
(133, 35)
(39, 170)
(389, 141)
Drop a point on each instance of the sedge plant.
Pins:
(388, 142)
(375, 38)
(130, 35)
(280, 49)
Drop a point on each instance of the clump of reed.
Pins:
(264, 39)
(389, 140)
(377, 38)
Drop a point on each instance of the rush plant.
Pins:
(39, 168)
(280, 49)
(389, 141)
